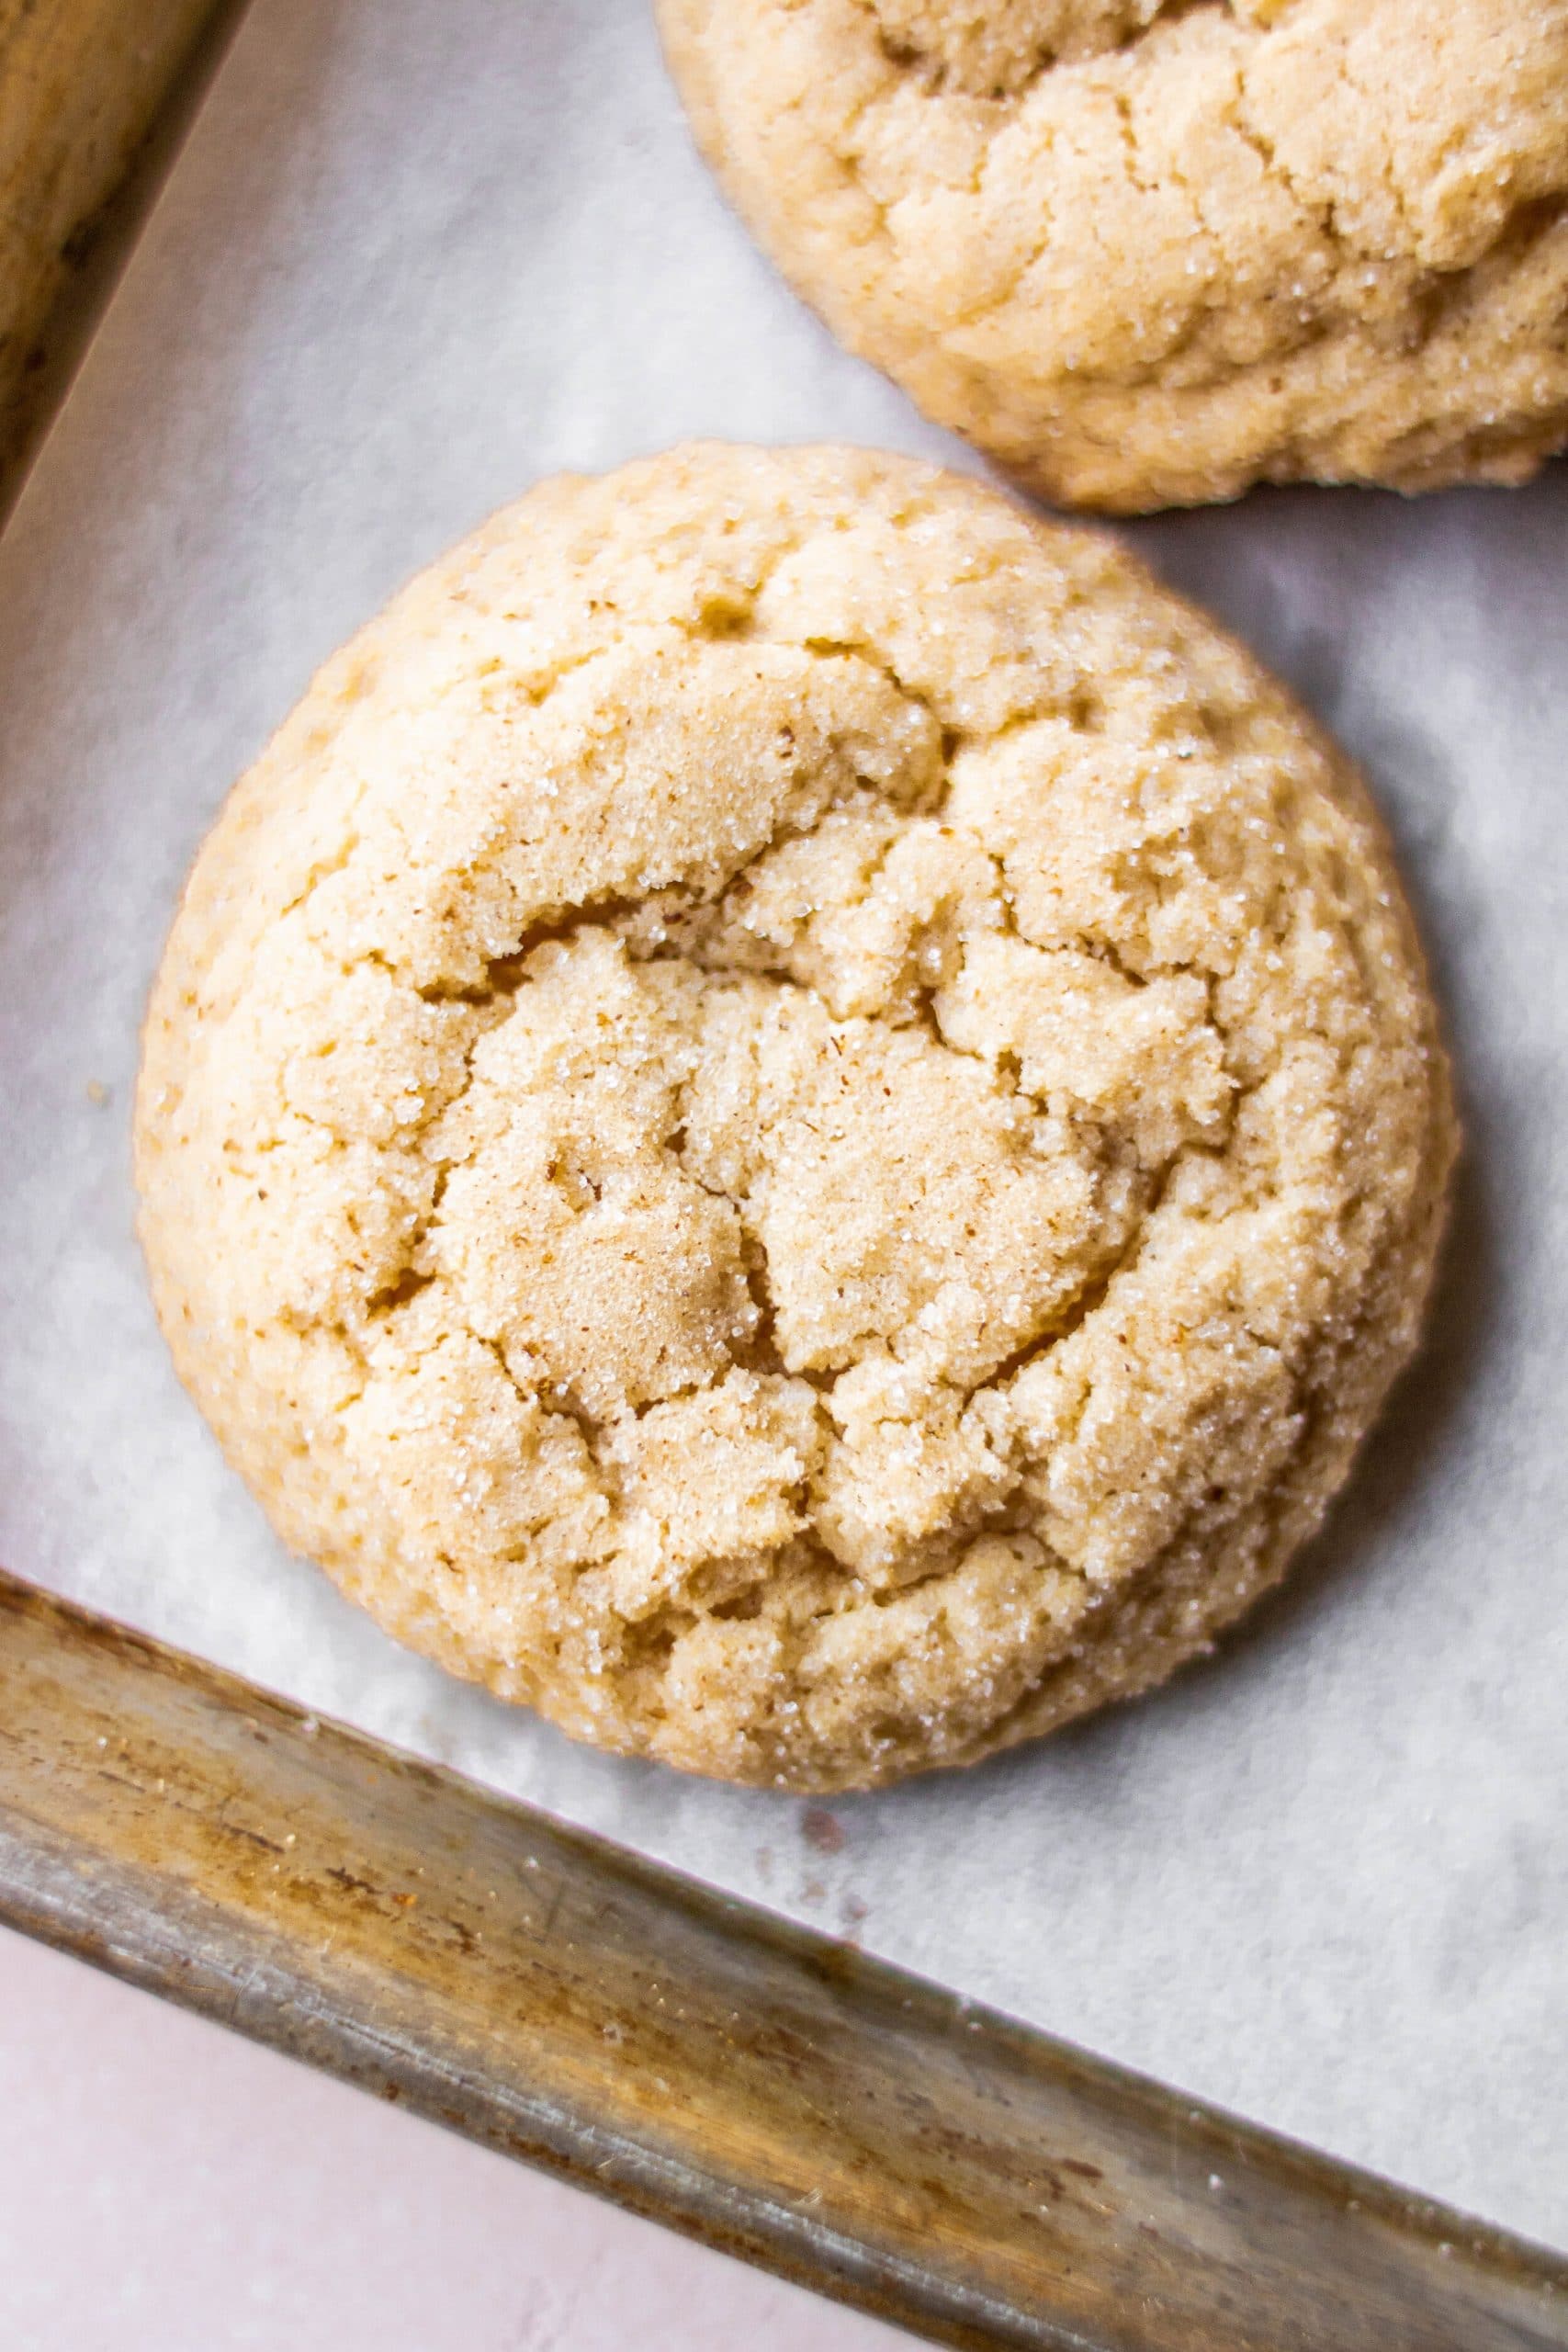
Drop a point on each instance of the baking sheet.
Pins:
(414, 258)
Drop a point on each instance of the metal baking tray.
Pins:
(407, 259)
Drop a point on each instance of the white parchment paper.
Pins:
(418, 252)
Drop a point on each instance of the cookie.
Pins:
(1148, 252)
(795, 1118)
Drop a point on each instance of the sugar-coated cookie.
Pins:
(794, 1118)
(1148, 252)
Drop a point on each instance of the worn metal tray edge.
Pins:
(82, 158)
(779, 2095)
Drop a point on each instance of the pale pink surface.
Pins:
(163, 2183)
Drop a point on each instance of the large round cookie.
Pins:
(794, 1118)
(1150, 251)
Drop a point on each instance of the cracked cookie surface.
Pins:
(794, 1118)
(1148, 252)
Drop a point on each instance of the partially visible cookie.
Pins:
(794, 1117)
(1148, 252)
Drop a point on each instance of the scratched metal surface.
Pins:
(412, 258)
(778, 2095)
